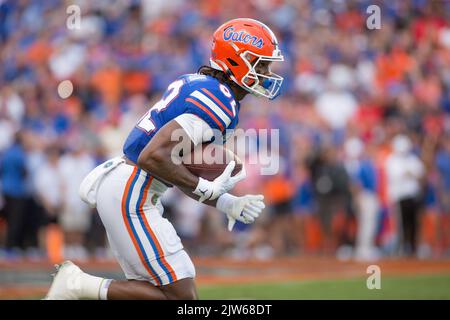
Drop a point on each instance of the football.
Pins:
(209, 160)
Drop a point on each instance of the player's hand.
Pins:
(211, 190)
(244, 209)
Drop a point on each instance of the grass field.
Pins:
(416, 287)
(296, 278)
(436, 287)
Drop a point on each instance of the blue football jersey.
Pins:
(201, 95)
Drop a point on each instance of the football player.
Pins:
(126, 190)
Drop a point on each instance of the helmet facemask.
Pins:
(257, 83)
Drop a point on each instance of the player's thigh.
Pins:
(122, 237)
(145, 244)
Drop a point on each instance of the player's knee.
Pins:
(184, 290)
(188, 296)
(183, 295)
(192, 294)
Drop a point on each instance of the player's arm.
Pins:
(157, 158)
(245, 209)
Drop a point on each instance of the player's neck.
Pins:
(238, 92)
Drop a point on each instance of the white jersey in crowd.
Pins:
(404, 172)
(76, 213)
(48, 184)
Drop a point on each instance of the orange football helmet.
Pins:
(238, 46)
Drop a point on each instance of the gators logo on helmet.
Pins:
(242, 36)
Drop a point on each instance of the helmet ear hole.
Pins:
(232, 62)
(250, 58)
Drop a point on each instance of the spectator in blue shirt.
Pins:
(13, 177)
(303, 205)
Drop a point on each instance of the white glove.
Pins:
(244, 209)
(210, 190)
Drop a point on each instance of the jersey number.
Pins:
(146, 122)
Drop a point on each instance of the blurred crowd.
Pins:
(364, 120)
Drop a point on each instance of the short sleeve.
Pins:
(196, 128)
